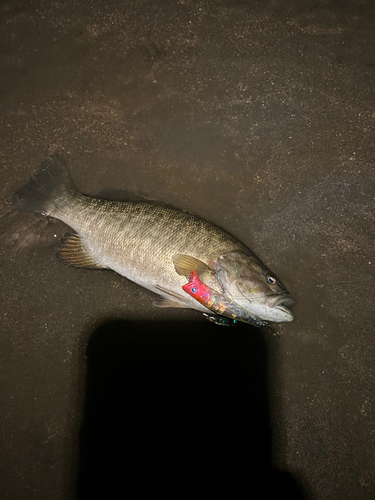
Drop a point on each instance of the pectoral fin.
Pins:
(73, 250)
(185, 264)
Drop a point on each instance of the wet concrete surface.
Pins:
(259, 118)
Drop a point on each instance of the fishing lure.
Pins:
(217, 302)
(221, 320)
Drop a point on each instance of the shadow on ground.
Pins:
(177, 410)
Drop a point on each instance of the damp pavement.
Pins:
(257, 116)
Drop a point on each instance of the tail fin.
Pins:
(47, 190)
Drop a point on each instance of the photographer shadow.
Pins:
(177, 410)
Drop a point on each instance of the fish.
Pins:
(218, 302)
(140, 240)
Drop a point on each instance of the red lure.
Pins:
(217, 302)
(205, 295)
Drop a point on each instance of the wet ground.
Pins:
(257, 117)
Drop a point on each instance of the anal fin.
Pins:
(72, 250)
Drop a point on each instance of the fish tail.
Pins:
(48, 190)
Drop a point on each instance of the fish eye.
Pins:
(271, 280)
(194, 289)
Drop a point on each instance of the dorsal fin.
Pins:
(185, 264)
(73, 251)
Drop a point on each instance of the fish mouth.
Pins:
(284, 300)
(282, 303)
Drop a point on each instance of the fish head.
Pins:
(253, 286)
